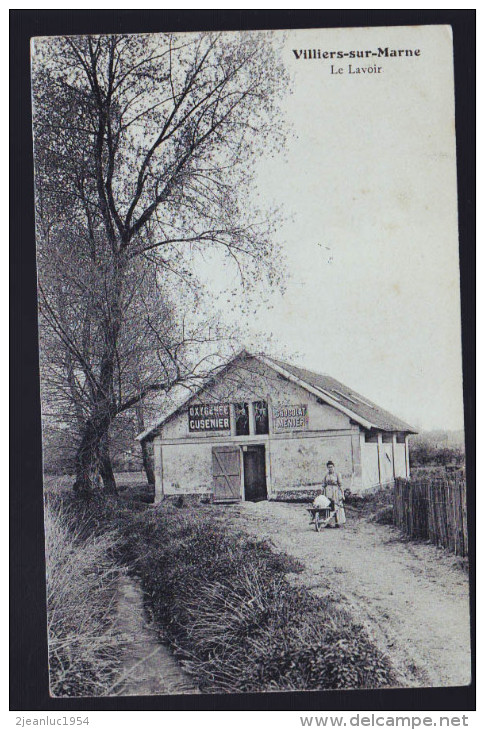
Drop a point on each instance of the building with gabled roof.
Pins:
(261, 428)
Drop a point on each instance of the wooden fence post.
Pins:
(434, 509)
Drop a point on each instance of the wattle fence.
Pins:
(433, 509)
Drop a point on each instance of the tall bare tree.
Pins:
(144, 150)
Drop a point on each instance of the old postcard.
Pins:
(251, 375)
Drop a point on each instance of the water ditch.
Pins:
(149, 668)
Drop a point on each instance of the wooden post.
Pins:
(379, 456)
(356, 461)
(394, 439)
(363, 477)
(433, 508)
(241, 458)
(232, 419)
(269, 483)
(157, 456)
(406, 450)
(269, 405)
(252, 422)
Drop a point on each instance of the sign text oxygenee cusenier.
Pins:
(209, 417)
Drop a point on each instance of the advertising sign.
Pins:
(290, 418)
(209, 417)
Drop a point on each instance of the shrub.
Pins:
(371, 501)
(84, 645)
(384, 516)
(436, 448)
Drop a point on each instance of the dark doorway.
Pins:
(255, 474)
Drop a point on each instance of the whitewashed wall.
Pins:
(370, 464)
(387, 468)
(400, 459)
(187, 469)
(300, 463)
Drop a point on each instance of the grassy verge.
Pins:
(219, 598)
(233, 619)
(82, 571)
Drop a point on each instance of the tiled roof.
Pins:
(340, 394)
(358, 404)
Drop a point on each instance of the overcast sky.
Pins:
(368, 188)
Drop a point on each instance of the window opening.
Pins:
(242, 419)
(261, 416)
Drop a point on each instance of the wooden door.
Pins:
(226, 473)
(255, 474)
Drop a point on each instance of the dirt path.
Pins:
(411, 597)
(149, 667)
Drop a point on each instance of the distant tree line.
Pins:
(436, 448)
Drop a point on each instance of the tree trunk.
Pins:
(145, 447)
(148, 463)
(87, 461)
(93, 458)
(105, 466)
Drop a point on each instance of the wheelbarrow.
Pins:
(321, 516)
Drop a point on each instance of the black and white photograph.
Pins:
(250, 361)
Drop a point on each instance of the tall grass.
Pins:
(221, 599)
(82, 572)
(232, 617)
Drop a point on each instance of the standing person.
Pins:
(334, 491)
